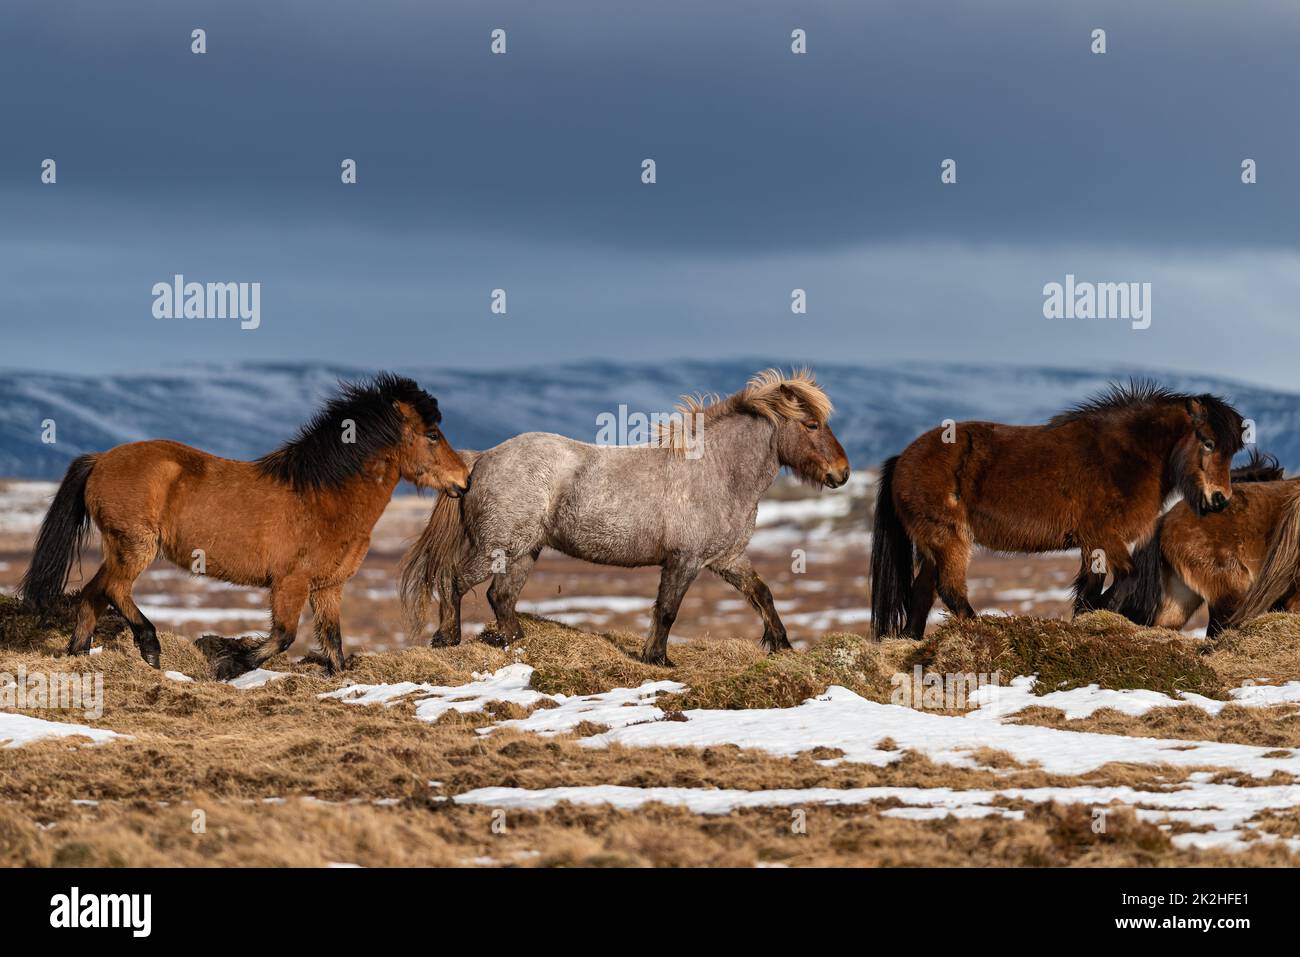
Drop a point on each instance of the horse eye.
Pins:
(1207, 445)
(811, 426)
(432, 437)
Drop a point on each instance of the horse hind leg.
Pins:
(502, 596)
(923, 595)
(676, 578)
(93, 604)
(951, 559)
(453, 584)
(125, 559)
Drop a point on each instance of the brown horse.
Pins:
(1219, 559)
(1093, 478)
(297, 520)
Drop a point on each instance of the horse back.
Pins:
(1023, 487)
(142, 484)
(1235, 538)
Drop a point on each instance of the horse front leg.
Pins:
(326, 603)
(1113, 557)
(288, 595)
(740, 574)
(676, 578)
(1088, 586)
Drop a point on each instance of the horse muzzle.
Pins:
(836, 479)
(1214, 503)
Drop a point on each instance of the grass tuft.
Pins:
(1098, 648)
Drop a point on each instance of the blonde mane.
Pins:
(770, 394)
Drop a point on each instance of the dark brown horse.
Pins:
(1219, 559)
(1093, 478)
(297, 520)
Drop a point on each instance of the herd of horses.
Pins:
(298, 521)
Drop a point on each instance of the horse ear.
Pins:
(1196, 411)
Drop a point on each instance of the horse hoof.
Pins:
(439, 640)
(151, 652)
(661, 660)
(773, 648)
(498, 639)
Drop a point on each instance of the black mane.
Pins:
(1224, 421)
(317, 457)
(1260, 467)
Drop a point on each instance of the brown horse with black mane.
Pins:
(1242, 561)
(297, 520)
(1093, 478)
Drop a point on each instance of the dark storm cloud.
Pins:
(775, 171)
(757, 148)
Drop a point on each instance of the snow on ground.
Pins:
(23, 505)
(173, 615)
(19, 729)
(613, 708)
(256, 678)
(771, 512)
(996, 702)
(841, 719)
(1223, 808)
(844, 720)
(581, 610)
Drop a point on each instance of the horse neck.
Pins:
(743, 447)
(367, 493)
(1162, 427)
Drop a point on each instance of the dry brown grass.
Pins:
(205, 744)
(439, 834)
(1099, 648)
(1266, 649)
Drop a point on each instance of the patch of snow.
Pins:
(172, 614)
(995, 702)
(256, 678)
(17, 730)
(844, 720)
(772, 512)
(609, 603)
(615, 708)
(1224, 808)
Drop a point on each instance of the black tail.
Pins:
(59, 542)
(1138, 597)
(891, 560)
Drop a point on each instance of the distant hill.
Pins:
(243, 410)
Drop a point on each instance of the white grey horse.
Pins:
(683, 507)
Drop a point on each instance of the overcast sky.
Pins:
(775, 171)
